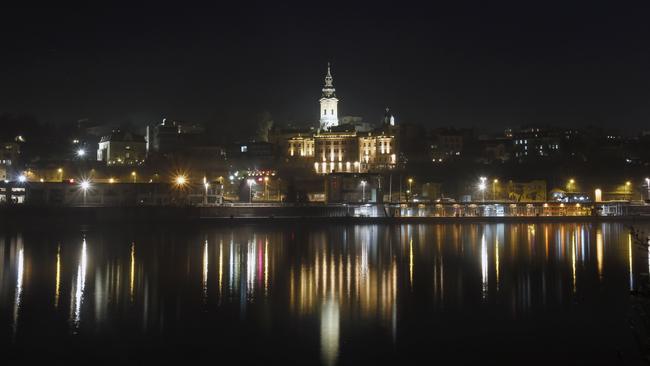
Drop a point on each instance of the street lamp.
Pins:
(250, 190)
(180, 180)
(410, 190)
(206, 185)
(134, 175)
(81, 153)
(60, 171)
(647, 184)
(482, 186)
(22, 178)
(571, 185)
(363, 191)
(494, 189)
(266, 187)
(85, 185)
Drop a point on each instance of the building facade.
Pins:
(344, 148)
(122, 148)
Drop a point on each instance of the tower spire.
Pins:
(328, 102)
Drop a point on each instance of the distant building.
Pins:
(169, 137)
(122, 148)
(9, 154)
(537, 142)
(351, 147)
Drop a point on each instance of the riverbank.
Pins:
(236, 215)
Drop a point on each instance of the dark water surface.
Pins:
(331, 294)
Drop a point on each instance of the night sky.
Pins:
(485, 65)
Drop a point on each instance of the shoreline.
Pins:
(225, 215)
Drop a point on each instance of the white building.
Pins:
(329, 115)
(122, 148)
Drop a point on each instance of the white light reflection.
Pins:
(329, 332)
(484, 267)
(78, 288)
(20, 269)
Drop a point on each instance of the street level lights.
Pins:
(206, 185)
(135, 176)
(482, 186)
(60, 171)
(410, 190)
(266, 187)
(647, 184)
(250, 190)
(494, 189)
(363, 191)
(85, 185)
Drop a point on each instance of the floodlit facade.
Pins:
(122, 148)
(343, 148)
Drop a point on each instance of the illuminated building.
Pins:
(122, 148)
(351, 147)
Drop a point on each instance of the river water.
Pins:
(328, 294)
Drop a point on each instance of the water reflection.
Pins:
(332, 280)
(78, 288)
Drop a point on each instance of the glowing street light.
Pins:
(266, 187)
(482, 186)
(250, 190)
(135, 176)
(571, 185)
(410, 180)
(85, 185)
(180, 180)
(647, 184)
(494, 189)
(60, 171)
(363, 191)
(22, 178)
(81, 153)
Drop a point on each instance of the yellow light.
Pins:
(180, 180)
(60, 170)
(496, 181)
(628, 183)
(133, 173)
(111, 180)
(572, 181)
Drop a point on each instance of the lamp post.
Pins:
(85, 185)
(482, 186)
(60, 171)
(647, 184)
(250, 190)
(363, 191)
(206, 185)
(135, 176)
(494, 189)
(266, 188)
(410, 191)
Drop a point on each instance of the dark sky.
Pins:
(483, 64)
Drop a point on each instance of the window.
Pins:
(244, 148)
(324, 111)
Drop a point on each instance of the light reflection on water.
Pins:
(349, 279)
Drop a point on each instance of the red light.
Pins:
(259, 179)
(71, 180)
